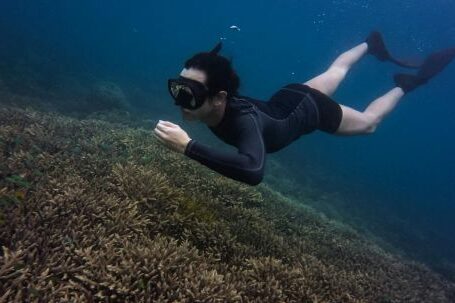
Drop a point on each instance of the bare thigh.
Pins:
(328, 81)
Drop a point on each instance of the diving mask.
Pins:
(187, 93)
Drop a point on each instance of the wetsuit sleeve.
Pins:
(247, 165)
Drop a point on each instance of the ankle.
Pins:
(408, 82)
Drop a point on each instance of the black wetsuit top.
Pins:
(256, 128)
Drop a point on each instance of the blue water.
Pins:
(404, 172)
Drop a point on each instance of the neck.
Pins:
(216, 116)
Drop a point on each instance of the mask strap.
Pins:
(216, 49)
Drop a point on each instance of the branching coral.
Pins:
(97, 212)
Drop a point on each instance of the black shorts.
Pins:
(323, 113)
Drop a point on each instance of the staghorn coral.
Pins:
(102, 213)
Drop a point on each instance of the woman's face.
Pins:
(207, 107)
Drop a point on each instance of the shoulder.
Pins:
(240, 114)
(245, 115)
(242, 105)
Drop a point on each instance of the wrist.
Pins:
(188, 146)
(185, 145)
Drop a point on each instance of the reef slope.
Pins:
(93, 211)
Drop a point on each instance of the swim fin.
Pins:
(432, 66)
(436, 62)
(408, 82)
(377, 48)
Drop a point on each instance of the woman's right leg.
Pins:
(354, 122)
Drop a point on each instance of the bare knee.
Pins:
(337, 73)
(370, 129)
(357, 123)
(342, 63)
(371, 123)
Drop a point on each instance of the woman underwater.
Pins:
(207, 91)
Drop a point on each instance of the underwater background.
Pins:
(397, 186)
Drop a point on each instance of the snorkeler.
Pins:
(207, 90)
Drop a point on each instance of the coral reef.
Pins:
(96, 212)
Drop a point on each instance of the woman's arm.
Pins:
(245, 165)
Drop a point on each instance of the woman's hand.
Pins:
(172, 136)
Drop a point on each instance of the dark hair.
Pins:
(219, 71)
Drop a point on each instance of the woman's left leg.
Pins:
(329, 81)
(354, 122)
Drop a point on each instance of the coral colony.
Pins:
(93, 211)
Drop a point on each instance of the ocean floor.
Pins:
(94, 211)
